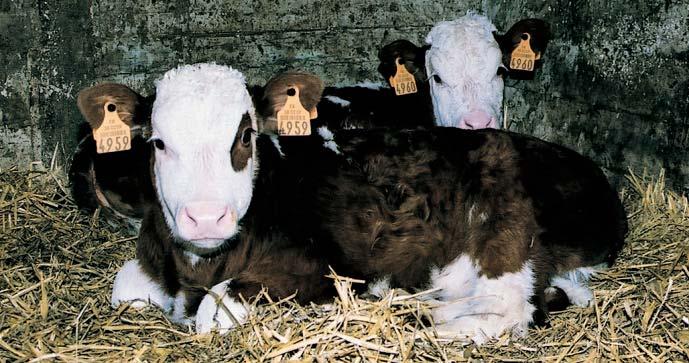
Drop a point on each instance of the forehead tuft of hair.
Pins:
(205, 94)
(469, 28)
(466, 42)
(201, 79)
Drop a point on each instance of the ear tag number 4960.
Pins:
(523, 57)
(402, 82)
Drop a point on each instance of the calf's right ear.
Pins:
(413, 58)
(275, 96)
(131, 107)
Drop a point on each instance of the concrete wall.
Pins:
(615, 84)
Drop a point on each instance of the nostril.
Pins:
(190, 217)
(222, 216)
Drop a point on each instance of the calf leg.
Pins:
(133, 285)
(281, 273)
(479, 307)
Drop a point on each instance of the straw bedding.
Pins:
(57, 266)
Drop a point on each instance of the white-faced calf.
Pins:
(490, 218)
(459, 72)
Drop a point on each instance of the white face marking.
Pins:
(462, 66)
(133, 285)
(212, 315)
(197, 114)
(479, 307)
(338, 101)
(328, 139)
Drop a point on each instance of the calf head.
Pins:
(203, 161)
(203, 133)
(461, 67)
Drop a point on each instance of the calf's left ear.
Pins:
(538, 30)
(275, 95)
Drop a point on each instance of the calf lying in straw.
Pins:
(489, 219)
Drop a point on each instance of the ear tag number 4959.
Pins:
(112, 134)
(293, 118)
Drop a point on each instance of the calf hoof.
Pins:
(218, 311)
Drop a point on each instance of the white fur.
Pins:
(574, 284)
(328, 139)
(179, 310)
(196, 114)
(212, 315)
(479, 307)
(338, 101)
(379, 288)
(371, 85)
(133, 285)
(276, 143)
(192, 258)
(466, 57)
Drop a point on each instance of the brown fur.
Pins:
(240, 153)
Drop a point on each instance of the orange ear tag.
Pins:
(403, 82)
(113, 134)
(523, 58)
(293, 118)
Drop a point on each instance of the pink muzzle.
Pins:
(478, 120)
(206, 220)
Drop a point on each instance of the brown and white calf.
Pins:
(489, 218)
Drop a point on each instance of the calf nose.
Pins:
(478, 120)
(206, 220)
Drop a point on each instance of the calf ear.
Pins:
(275, 95)
(413, 58)
(539, 31)
(131, 107)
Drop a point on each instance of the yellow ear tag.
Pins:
(403, 82)
(293, 118)
(112, 134)
(523, 57)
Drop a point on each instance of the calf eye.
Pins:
(246, 136)
(159, 144)
(437, 79)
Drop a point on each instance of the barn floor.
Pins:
(57, 266)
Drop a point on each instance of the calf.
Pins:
(459, 73)
(487, 217)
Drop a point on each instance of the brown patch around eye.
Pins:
(241, 152)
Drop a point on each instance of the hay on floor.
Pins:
(57, 267)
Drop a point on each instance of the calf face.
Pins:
(461, 67)
(203, 124)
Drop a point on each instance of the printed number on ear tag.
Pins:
(523, 57)
(113, 134)
(293, 118)
(403, 82)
